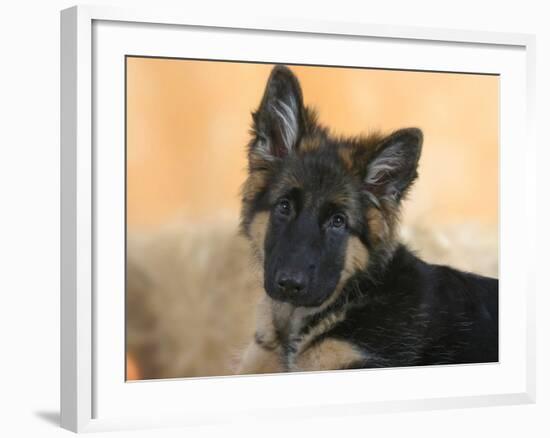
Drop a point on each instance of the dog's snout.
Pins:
(292, 282)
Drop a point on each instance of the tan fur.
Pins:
(254, 184)
(357, 256)
(258, 360)
(263, 354)
(309, 144)
(378, 226)
(289, 180)
(329, 354)
(265, 323)
(258, 230)
(302, 345)
(346, 155)
(343, 200)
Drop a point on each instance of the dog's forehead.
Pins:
(319, 176)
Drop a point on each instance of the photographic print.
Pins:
(292, 218)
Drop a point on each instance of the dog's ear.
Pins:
(279, 121)
(393, 167)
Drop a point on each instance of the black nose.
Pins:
(291, 282)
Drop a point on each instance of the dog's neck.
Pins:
(294, 322)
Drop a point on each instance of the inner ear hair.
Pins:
(285, 127)
(393, 167)
(279, 121)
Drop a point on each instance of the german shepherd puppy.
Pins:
(321, 213)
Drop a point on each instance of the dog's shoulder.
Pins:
(417, 313)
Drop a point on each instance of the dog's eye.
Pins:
(338, 220)
(284, 206)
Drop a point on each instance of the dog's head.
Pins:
(319, 209)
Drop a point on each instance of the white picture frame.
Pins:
(93, 390)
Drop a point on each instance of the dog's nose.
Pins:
(292, 282)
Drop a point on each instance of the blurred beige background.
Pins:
(191, 284)
(188, 126)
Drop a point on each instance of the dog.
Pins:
(342, 292)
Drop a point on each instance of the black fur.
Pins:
(415, 313)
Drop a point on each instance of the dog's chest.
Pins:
(299, 328)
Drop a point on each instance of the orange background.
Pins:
(188, 122)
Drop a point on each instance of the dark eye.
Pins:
(338, 220)
(284, 206)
